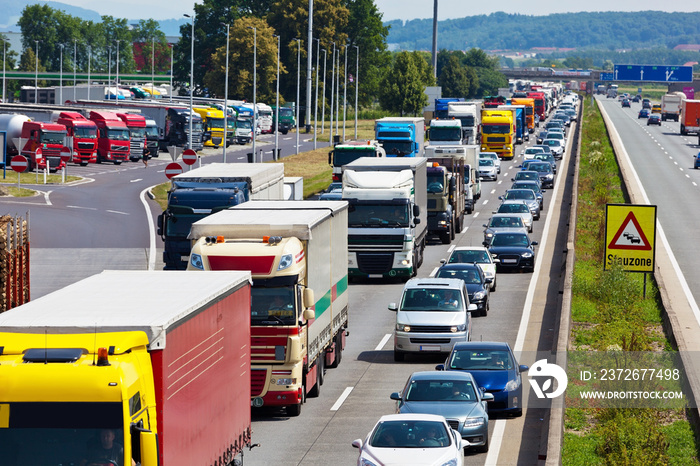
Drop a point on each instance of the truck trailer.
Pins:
(208, 189)
(157, 361)
(690, 117)
(297, 253)
(671, 105)
(446, 192)
(469, 114)
(387, 224)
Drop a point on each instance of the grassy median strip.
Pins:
(609, 312)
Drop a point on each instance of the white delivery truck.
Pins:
(469, 114)
(297, 254)
(445, 132)
(388, 219)
(671, 104)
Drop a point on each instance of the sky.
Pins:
(404, 9)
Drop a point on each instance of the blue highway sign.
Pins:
(654, 73)
(607, 76)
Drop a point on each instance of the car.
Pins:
(475, 255)
(478, 286)
(481, 359)
(626, 103)
(527, 195)
(487, 169)
(493, 156)
(545, 148)
(433, 315)
(656, 108)
(556, 146)
(517, 207)
(331, 196)
(547, 158)
(545, 171)
(396, 439)
(454, 395)
(637, 98)
(503, 222)
(530, 185)
(654, 119)
(527, 175)
(540, 136)
(335, 186)
(646, 103)
(556, 135)
(514, 250)
(553, 124)
(643, 113)
(696, 161)
(529, 152)
(573, 116)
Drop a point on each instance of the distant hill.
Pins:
(503, 31)
(13, 11)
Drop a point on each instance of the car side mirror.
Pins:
(487, 397)
(485, 244)
(440, 367)
(534, 243)
(488, 280)
(471, 308)
(393, 307)
(395, 396)
(524, 368)
(357, 443)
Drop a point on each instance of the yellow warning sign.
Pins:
(630, 236)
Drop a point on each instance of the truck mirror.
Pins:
(416, 210)
(308, 298)
(416, 221)
(309, 314)
(149, 448)
(330, 154)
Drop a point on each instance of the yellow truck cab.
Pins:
(497, 132)
(213, 120)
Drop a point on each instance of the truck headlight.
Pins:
(285, 261)
(196, 261)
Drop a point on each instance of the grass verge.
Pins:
(609, 311)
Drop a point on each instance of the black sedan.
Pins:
(475, 280)
(654, 119)
(513, 250)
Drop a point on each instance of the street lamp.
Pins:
(298, 82)
(277, 102)
(255, 86)
(89, 59)
(36, 72)
(323, 105)
(330, 134)
(4, 53)
(153, 65)
(337, 96)
(109, 74)
(357, 83)
(318, 55)
(171, 73)
(228, 30)
(345, 91)
(116, 78)
(60, 81)
(189, 144)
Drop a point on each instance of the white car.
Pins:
(476, 255)
(415, 439)
(516, 207)
(556, 146)
(487, 170)
(530, 152)
(493, 156)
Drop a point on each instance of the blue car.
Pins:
(696, 162)
(495, 369)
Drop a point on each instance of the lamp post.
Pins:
(323, 105)
(337, 96)
(357, 83)
(298, 82)
(330, 134)
(60, 79)
(75, 68)
(309, 56)
(116, 78)
(89, 63)
(109, 74)
(171, 73)
(36, 71)
(153, 65)
(255, 87)
(4, 53)
(318, 55)
(345, 91)
(277, 102)
(189, 137)
(228, 30)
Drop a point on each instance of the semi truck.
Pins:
(401, 136)
(213, 124)
(469, 114)
(446, 192)
(162, 370)
(200, 192)
(529, 105)
(244, 124)
(387, 224)
(442, 106)
(520, 119)
(472, 180)
(498, 132)
(540, 105)
(113, 137)
(447, 132)
(265, 118)
(671, 105)
(24, 137)
(286, 121)
(137, 134)
(152, 137)
(690, 117)
(81, 137)
(297, 254)
(352, 150)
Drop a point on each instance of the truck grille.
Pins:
(375, 242)
(375, 263)
(257, 381)
(496, 139)
(116, 148)
(135, 149)
(86, 145)
(432, 203)
(430, 341)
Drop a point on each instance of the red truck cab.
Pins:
(82, 137)
(137, 133)
(540, 104)
(50, 137)
(113, 137)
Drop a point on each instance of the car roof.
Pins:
(459, 266)
(483, 345)
(469, 248)
(434, 283)
(443, 375)
(412, 416)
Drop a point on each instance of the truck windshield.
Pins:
(216, 123)
(467, 121)
(378, 216)
(138, 133)
(119, 134)
(84, 132)
(61, 433)
(436, 183)
(438, 133)
(273, 306)
(286, 112)
(345, 156)
(152, 131)
(244, 124)
(495, 129)
(397, 148)
(52, 137)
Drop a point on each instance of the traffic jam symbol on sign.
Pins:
(630, 234)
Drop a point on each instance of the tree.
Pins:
(153, 45)
(403, 87)
(28, 62)
(454, 79)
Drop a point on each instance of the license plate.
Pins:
(430, 348)
(375, 275)
(509, 261)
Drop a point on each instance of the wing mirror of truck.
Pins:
(416, 210)
(309, 314)
(309, 300)
(330, 154)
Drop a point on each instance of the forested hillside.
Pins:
(502, 31)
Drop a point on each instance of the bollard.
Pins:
(262, 159)
(279, 152)
(336, 139)
(250, 157)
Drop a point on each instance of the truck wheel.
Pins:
(445, 237)
(452, 230)
(99, 157)
(338, 351)
(117, 162)
(294, 410)
(316, 391)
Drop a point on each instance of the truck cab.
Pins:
(286, 121)
(445, 132)
(401, 136)
(113, 137)
(497, 132)
(343, 154)
(152, 136)
(50, 138)
(213, 122)
(137, 134)
(82, 136)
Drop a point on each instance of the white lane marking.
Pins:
(476, 214)
(452, 247)
(493, 190)
(383, 342)
(240, 158)
(136, 180)
(117, 212)
(465, 229)
(46, 197)
(342, 399)
(485, 202)
(432, 274)
(151, 230)
(79, 207)
(495, 447)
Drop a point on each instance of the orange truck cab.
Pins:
(113, 137)
(50, 138)
(137, 133)
(82, 137)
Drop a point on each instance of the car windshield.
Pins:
(552, 142)
(527, 175)
(485, 163)
(513, 207)
(533, 151)
(410, 434)
(545, 157)
(432, 299)
(540, 167)
(526, 194)
(510, 239)
(506, 222)
(473, 256)
(526, 185)
(481, 360)
(470, 276)
(440, 390)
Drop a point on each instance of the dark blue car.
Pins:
(513, 250)
(477, 284)
(495, 369)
